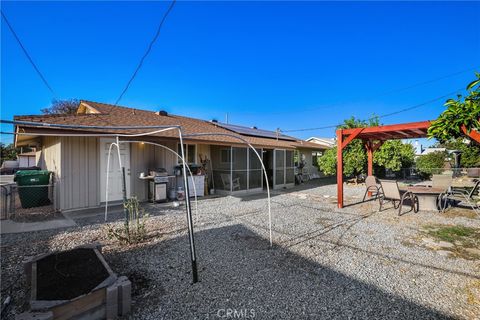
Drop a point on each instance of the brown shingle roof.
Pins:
(110, 115)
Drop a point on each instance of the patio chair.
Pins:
(391, 192)
(442, 181)
(453, 197)
(373, 187)
(226, 182)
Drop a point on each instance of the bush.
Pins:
(394, 155)
(470, 157)
(431, 163)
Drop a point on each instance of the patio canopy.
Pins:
(374, 137)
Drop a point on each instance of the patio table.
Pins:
(427, 197)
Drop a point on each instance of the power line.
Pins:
(420, 104)
(26, 54)
(384, 115)
(373, 96)
(149, 48)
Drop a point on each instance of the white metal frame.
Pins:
(181, 136)
(248, 190)
(285, 184)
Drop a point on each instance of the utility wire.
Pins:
(383, 115)
(149, 48)
(26, 54)
(373, 96)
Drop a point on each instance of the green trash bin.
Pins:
(30, 195)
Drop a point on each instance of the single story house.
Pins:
(79, 163)
(326, 142)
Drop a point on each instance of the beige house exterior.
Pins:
(79, 162)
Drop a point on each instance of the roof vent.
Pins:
(254, 127)
(163, 113)
(214, 120)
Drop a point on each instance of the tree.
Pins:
(431, 163)
(62, 107)
(328, 162)
(354, 154)
(394, 155)
(8, 152)
(460, 112)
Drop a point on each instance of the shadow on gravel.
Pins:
(239, 271)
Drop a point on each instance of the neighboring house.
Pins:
(325, 142)
(27, 159)
(432, 150)
(79, 162)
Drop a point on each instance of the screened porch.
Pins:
(238, 170)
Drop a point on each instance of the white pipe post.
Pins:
(189, 213)
(124, 183)
(180, 157)
(106, 183)
(261, 162)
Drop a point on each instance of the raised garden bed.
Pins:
(76, 284)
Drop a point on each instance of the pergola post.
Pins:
(371, 148)
(368, 144)
(340, 168)
(341, 144)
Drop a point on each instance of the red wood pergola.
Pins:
(374, 137)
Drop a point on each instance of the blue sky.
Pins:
(270, 64)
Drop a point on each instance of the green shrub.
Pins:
(133, 230)
(431, 163)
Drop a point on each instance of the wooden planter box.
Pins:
(107, 300)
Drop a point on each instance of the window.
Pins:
(190, 152)
(225, 156)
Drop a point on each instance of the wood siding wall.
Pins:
(49, 158)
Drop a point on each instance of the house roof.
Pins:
(254, 131)
(92, 113)
(327, 142)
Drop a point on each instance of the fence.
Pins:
(425, 173)
(27, 203)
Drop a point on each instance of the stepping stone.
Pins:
(444, 253)
(473, 251)
(445, 244)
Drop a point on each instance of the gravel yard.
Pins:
(325, 263)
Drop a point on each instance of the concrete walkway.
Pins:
(9, 226)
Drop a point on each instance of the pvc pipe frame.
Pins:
(155, 144)
(261, 162)
(161, 128)
(149, 133)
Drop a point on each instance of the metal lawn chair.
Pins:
(226, 182)
(453, 197)
(391, 192)
(373, 187)
(442, 181)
